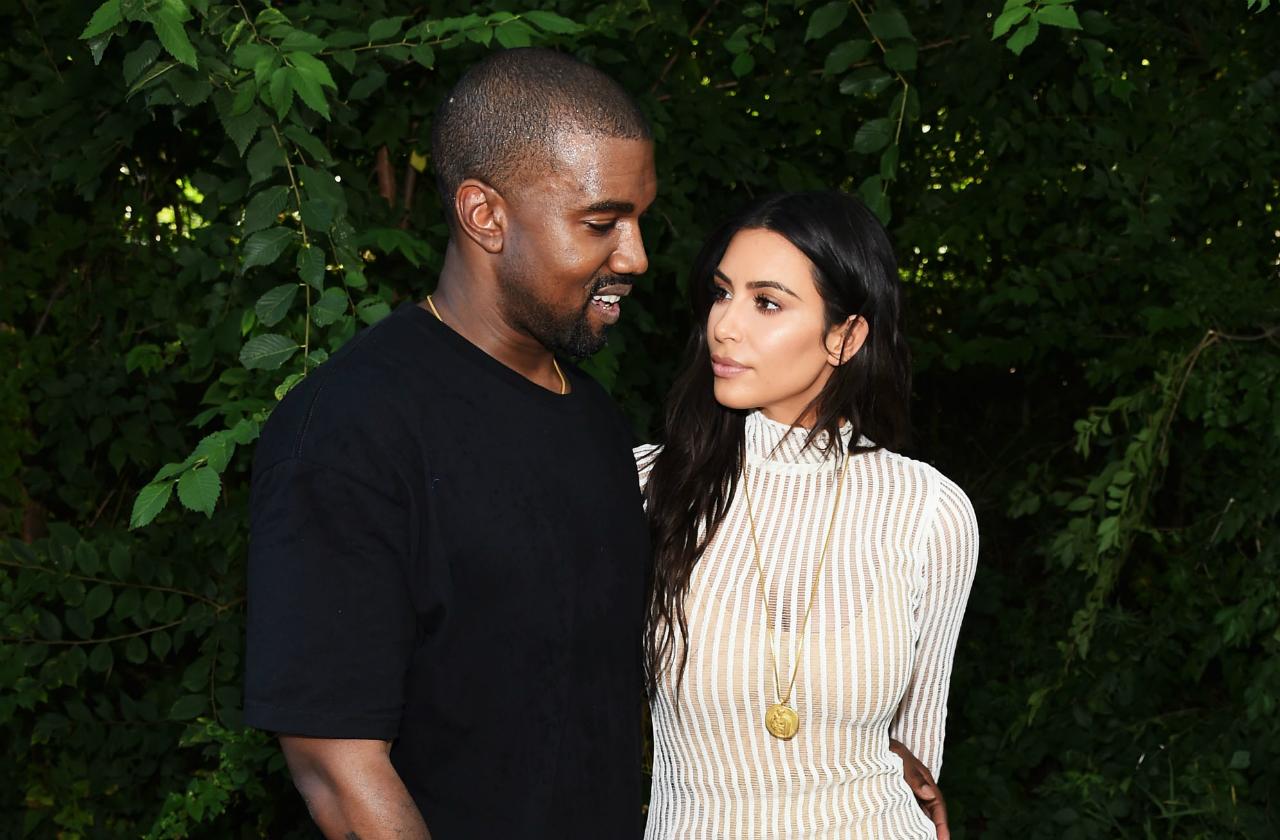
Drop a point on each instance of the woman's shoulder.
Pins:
(909, 477)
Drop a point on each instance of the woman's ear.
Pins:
(481, 213)
(845, 340)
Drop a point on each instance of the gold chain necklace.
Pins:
(564, 386)
(780, 719)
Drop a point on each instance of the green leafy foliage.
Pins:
(1083, 203)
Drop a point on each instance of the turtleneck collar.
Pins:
(768, 442)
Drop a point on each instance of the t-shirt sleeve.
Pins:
(950, 560)
(331, 622)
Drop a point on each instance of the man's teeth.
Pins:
(607, 298)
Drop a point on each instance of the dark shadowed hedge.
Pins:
(202, 199)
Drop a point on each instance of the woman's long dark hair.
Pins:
(696, 473)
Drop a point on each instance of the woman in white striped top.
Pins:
(809, 583)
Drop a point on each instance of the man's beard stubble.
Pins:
(567, 334)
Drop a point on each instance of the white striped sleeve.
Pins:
(950, 560)
(645, 455)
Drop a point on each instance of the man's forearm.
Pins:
(352, 791)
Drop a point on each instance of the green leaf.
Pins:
(889, 163)
(901, 58)
(346, 59)
(743, 64)
(308, 87)
(1007, 19)
(371, 310)
(98, 601)
(101, 659)
(266, 246)
(247, 55)
(287, 385)
(190, 90)
(191, 706)
(308, 143)
(267, 351)
(873, 135)
(1062, 16)
(872, 193)
(264, 209)
(866, 81)
(136, 651)
(1024, 36)
(300, 41)
(263, 158)
(330, 307)
(274, 304)
(380, 30)
(317, 215)
(198, 489)
(140, 59)
(551, 22)
(161, 643)
(314, 67)
(310, 267)
(424, 55)
(242, 129)
(514, 34)
(146, 357)
(119, 562)
(283, 83)
(150, 501)
(108, 16)
(98, 47)
(167, 20)
(888, 25)
(825, 19)
(844, 55)
(367, 84)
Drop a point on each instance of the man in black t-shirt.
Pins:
(446, 580)
(448, 555)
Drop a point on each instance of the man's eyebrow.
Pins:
(610, 206)
(759, 284)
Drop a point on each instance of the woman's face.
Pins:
(770, 346)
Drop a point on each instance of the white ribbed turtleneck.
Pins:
(876, 662)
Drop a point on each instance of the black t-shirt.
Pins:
(448, 555)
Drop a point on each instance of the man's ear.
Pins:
(845, 340)
(481, 213)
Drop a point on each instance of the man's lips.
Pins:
(724, 367)
(607, 300)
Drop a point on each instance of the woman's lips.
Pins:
(724, 367)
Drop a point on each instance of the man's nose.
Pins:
(630, 256)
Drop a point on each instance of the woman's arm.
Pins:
(351, 789)
(950, 557)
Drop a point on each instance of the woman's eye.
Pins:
(719, 293)
(766, 304)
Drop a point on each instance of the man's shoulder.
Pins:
(359, 398)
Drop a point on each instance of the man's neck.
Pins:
(469, 307)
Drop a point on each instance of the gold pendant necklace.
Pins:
(564, 385)
(780, 719)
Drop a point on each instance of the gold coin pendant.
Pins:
(781, 721)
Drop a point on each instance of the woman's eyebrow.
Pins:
(758, 284)
(771, 284)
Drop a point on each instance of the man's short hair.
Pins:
(504, 114)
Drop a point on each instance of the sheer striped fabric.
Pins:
(876, 661)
